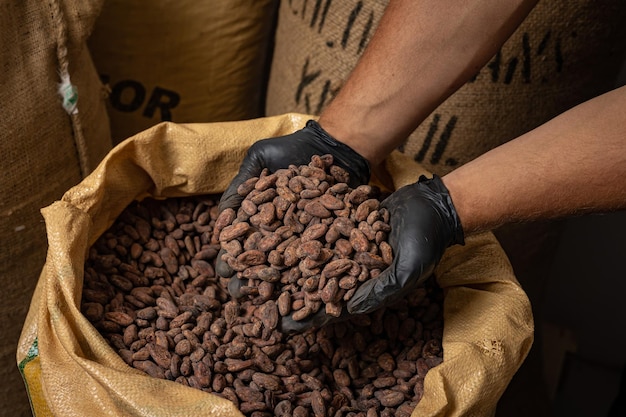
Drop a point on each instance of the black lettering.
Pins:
(443, 140)
(526, 67)
(432, 129)
(494, 66)
(510, 71)
(316, 12)
(366, 33)
(440, 148)
(138, 95)
(541, 48)
(305, 80)
(451, 162)
(543, 43)
(351, 19)
(324, 96)
(324, 13)
(164, 100)
(524, 60)
(304, 3)
(294, 9)
(558, 55)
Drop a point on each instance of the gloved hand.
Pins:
(294, 149)
(424, 223)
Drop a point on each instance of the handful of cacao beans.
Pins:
(151, 290)
(303, 237)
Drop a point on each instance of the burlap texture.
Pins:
(488, 326)
(43, 150)
(563, 54)
(187, 61)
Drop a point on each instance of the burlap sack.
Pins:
(43, 150)
(71, 370)
(564, 53)
(187, 61)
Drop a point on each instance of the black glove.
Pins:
(294, 149)
(422, 210)
(424, 223)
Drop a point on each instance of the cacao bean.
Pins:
(182, 325)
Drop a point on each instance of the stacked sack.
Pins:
(184, 62)
(562, 55)
(48, 143)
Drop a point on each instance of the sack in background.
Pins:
(563, 54)
(187, 61)
(43, 150)
(488, 327)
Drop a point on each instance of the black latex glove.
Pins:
(424, 223)
(294, 149)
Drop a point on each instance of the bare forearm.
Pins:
(573, 164)
(421, 53)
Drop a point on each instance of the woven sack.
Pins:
(185, 61)
(44, 150)
(563, 54)
(488, 326)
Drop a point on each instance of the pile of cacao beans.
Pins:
(303, 235)
(151, 290)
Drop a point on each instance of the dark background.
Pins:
(579, 354)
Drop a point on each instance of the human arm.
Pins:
(495, 189)
(421, 52)
(275, 153)
(295, 149)
(573, 164)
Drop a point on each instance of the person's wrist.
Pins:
(359, 143)
(447, 206)
(345, 156)
(458, 201)
(352, 138)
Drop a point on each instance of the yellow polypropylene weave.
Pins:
(488, 327)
